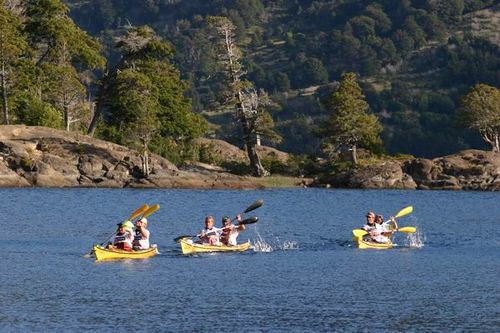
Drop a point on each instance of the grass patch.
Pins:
(280, 181)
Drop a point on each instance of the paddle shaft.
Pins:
(250, 220)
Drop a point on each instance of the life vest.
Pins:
(123, 241)
(228, 237)
(213, 237)
(140, 241)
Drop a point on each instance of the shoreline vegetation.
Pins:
(46, 157)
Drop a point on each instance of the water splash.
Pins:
(261, 245)
(289, 245)
(415, 240)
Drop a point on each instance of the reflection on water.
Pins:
(304, 274)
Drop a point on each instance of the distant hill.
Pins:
(416, 58)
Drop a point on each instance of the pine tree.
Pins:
(349, 125)
(12, 46)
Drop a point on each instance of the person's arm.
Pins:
(393, 220)
(144, 232)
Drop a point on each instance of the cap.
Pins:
(226, 218)
(127, 224)
(143, 220)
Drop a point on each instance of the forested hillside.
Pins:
(415, 58)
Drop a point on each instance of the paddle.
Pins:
(253, 206)
(403, 212)
(150, 210)
(145, 210)
(251, 220)
(409, 230)
(138, 212)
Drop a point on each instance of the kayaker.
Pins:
(124, 237)
(141, 235)
(230, 232)
(210, 235)
(370, 222)
(374, 230)
(387, 229)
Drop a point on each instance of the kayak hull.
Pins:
(111, 254)
(188, 247)
(362, 244)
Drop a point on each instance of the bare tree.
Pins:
(241, 94)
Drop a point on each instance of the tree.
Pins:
(480, 110)
(144, 95)
(349, 125)
(240, 95)
(12, 46)
(136, 104)
(62, 51)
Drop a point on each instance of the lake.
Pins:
(304, 275)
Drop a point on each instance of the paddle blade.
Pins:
(404, 211)
(359, 233)
(250, 220)
(409, 230)
(138, 212)
(151, 210)
(255, 205)
(177, 239)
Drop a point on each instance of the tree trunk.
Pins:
(145, 163)
(5, 105)
(496, 145)
(67, 121)
(255, 164)
(97, 109)
(354, 155)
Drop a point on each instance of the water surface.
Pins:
(305, 275)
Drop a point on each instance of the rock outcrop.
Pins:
(45, 157)
(466, 170)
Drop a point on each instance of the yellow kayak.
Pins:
(107, 254)
(362, 244)
(189, 247)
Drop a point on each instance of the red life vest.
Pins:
(123, 242)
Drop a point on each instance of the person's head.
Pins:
(127, 225)
(226, 220)
(379, 219)
(143, 222)
(370, 217)
(209, 222)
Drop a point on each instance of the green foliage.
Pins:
(34, 112)
(349, 124)
(480, 110)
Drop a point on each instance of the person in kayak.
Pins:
(373, 229)
(230, 232)
(123, 238)
(141, 235)
(388, 227)
(210, 235)
(370, 222)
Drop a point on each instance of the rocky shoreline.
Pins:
(45, 157)
(471, 170)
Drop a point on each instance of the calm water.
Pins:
(305, 277)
